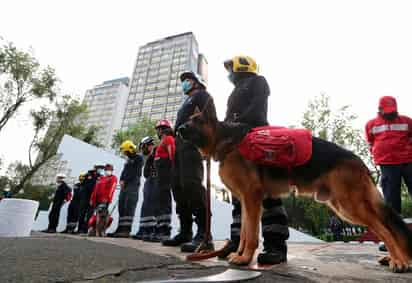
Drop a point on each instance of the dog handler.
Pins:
(390, 139)
(188, 191)
(248, 103)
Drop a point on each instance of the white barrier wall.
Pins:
(17, 217)
(82, 156)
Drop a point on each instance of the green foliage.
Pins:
(22, 80)
(145, 127)
(335, 126)
(63, 119)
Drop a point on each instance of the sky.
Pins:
(353, 51)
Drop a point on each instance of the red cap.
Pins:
(388, 104)
(163, 123)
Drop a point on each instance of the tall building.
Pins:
(155, 89)
(105, 106)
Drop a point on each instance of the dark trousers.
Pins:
(85, 212)
(391, 183)
(274, 220)
(55, 214)
(147, 215)
(188, 191)
(163, 197)
(128, 198)
(73, 214)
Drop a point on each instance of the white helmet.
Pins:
(60, 176)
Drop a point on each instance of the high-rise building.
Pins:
(155, 89)
(105, 106)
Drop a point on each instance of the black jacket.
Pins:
(149, 168)
(77, 192)
(199, 99)
(61, 192)
(132, 170)
(248, 102)
(89, 183)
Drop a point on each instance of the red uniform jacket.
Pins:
(390, 141)
(161, 150)
(103, 190)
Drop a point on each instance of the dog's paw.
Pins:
(395, 266)
(237, 259)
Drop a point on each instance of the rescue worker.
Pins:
(88, 185)
(188, 191)
(164, 164)
(74, 206)
(248, 103)
(389, 136)
(61, 195)
(129, 188)
(147, 222)
(101, 198)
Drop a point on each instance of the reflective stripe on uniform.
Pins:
(389, 127)
(148, 224)
(147, 218)
(275, 228)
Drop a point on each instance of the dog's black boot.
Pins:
(273, 254)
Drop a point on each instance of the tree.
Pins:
(22, 81)
(58, 122)
(145, 127)
(335, 126)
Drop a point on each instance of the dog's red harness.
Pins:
(277, 146)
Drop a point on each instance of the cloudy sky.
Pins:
(354, 51)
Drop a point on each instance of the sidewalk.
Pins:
(61, 258)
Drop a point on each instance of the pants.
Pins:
(188, 191)
(274, 220)
(392, 180)
(128, 198)
(73, 214)
(85, 212)
(147, 222)
(162, 197)
(55, 214)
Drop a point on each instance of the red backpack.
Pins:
(277, 146)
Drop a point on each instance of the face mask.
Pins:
(390, 116)
(231, 77)
(100, 172)
(186, 86)
(108, 172)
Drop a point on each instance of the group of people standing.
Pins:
(174, 167)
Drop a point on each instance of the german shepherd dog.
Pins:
(333, 175)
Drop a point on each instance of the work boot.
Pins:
(123, 232)
(273, 254)
(185, 234)
(230, 248)
(195, 243)
(142, 233)
(177, 240)
(161, 234)
(49, 231)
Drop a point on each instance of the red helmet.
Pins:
(163, 123)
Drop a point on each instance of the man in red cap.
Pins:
(390, 138)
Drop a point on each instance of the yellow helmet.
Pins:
(128, 146)
(82, 176)
(241, 64)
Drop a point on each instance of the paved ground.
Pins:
(45, 258)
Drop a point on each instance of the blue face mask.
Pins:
(186, 86)
(231, 77)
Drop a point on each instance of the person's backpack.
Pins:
(277, 146)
